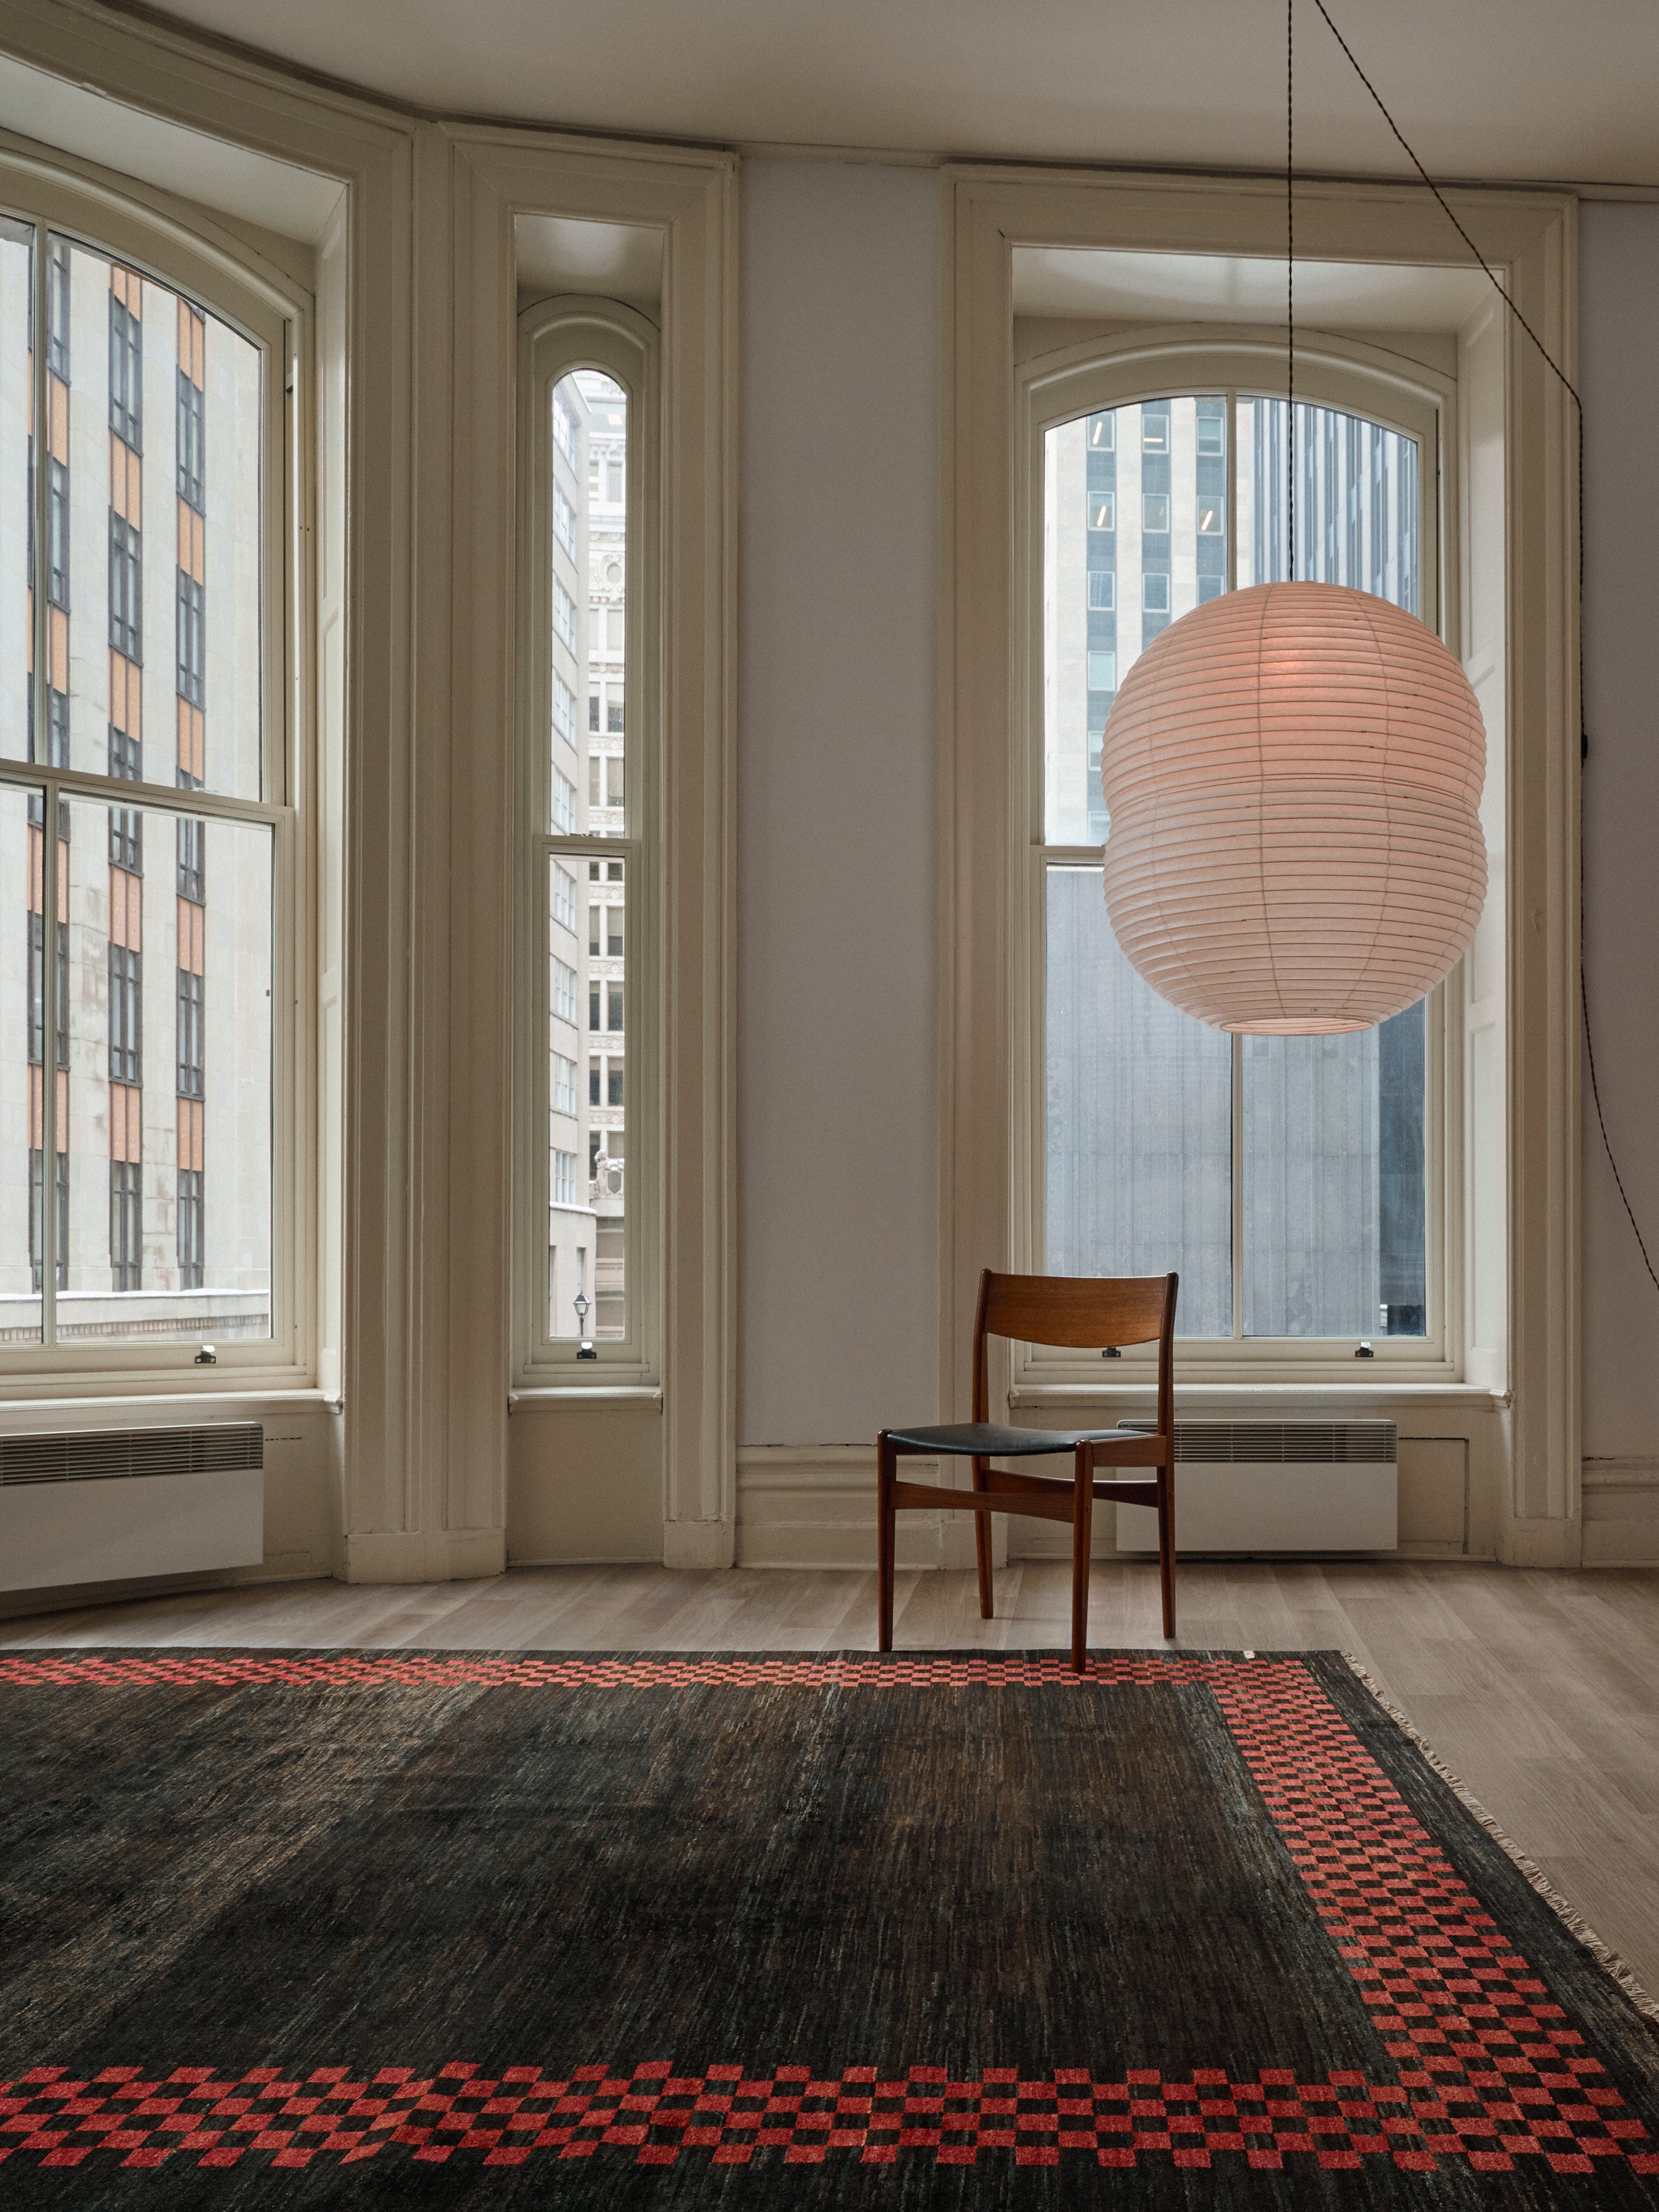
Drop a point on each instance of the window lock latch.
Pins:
(207, 1357)
(1111, 1352)
(1363, 1350)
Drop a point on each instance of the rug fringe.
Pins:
(1604, 1954)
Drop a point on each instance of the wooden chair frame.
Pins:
(1082, 1312)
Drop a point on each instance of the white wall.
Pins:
(838, 1143)
(1619, 343)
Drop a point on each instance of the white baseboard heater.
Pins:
(1276, 1486)
(96, 1505)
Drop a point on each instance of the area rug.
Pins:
(394, 1928)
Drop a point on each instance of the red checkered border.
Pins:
(1489, 2070)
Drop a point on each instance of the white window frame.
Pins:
(1360, 380)
(558, 337)
(167, 244)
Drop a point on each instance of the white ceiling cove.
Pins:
(1524, 89)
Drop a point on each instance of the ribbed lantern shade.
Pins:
(1293, 773)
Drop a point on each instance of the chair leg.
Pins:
(982, 1544)
(1082, 1526)
(885, 1458)
(1166, 1545)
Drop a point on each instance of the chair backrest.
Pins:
(1088, 1312)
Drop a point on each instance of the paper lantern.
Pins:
(1293, 776)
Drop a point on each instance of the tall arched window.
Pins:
(588, 1250)
(149, 1140)
(1297, 1184)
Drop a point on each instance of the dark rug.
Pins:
(393, 1929)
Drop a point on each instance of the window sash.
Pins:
(1238, 1351)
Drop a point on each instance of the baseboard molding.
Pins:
(814, 1505)
(422, 1555)
(1621, 1512)
(276, 1567)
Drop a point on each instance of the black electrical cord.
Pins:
(1584, 738)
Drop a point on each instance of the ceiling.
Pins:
(1542, 89)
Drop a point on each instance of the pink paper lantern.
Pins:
(1293, 775)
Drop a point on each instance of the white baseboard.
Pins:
(814, 1505)
(697, 1543)
(1621, 1512)
(423, 1555)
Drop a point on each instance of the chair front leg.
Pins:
(1166, 1543)
(982, 1543)
(886, 1461)
(1083, 1506)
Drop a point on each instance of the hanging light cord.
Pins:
(1290, 276)
(1567, 387)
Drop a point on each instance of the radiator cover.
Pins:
(107, 1504)
(1276, 1486)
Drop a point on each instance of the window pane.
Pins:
(27, 982)
(155, 410)
(1134, 536)
(586, 1126)
(1356, 502)
(167, 1084)
(1334, 1184)
(1139, 1120)
(17, 732)
(590, 567)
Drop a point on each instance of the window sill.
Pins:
(37, 1411)
(608, 1397)
(1267, 1396)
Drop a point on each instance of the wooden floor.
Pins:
(1542, 1691)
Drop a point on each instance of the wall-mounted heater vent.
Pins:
(105, 1504)
(1276, 1486)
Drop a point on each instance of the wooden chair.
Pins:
(1082, 1311)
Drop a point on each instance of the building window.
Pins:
(564, 898)
(1103, 590)
(192, 1231)
(564, 521)
(1102, 510)
(613, 1019)
(193, 639)
(127, 1015)
(126, 824)
(564, 710)
(37, 999)
(564, 992)
(126, 373)
(192, 859)
(192, 443)
(126, 589)
(58, 309)
(1103, 433)
(564, 1178)
(126, 1225)
(614, 1095)
(594, 990)
(192, 1054)
(613, 713)
(564, 802)
(564, 1085)
(593, 710)
(58, 534)
(564, 614)
(595, 1082)
(37, 1240)
(1284, 1178)
(613, 777)
(564, 432)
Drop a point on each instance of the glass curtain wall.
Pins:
(1284, 1177)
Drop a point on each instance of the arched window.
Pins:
(589, 1134)
(1297, 1184)
(149, 1140)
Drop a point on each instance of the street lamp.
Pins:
(585, 1348)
